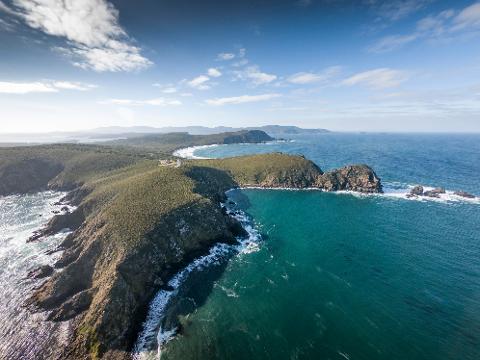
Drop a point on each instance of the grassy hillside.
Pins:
(34, 168)
(166, 144)
(268, 170)
(143, 223)
(137, 223)
(65, 166)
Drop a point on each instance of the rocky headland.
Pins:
(136, 223)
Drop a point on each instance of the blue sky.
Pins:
(365, 65)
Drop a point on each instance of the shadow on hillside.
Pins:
(211, 182)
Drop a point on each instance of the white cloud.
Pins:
(68, 85)
(214, 72)
(225, 56)
(253, 74)
(241, 99)
(394, 10)
(468, 17)
(107, 59)
(241, 62)
(393, 42)
(166, 88)
(152, 102)
(42, 87)
(170, 90)
(7, 26)
(377, 78)
(434, 25)
(446, 25)
(25, 88)
(95, 38)
(199, 82)
(6, 9)
(302, 78)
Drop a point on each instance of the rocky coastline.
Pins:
(135, 224)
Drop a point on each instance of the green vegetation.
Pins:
(137, 222)
(268, 170)
(24, 169)
(166, 144)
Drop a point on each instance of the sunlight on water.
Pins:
(24, 334)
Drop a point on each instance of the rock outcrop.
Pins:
(279, 170)
(434, 193)
(67, 220)
(360, 178)
(41, 272)
(417, 191)
(464, 194)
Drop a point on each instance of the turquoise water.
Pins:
(338, 276)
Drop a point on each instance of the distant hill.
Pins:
(171, 141)
(120, 132)
(277, 130)
(272, 130)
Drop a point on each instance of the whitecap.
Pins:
(189, 152)
(152, 332)
(403, 192)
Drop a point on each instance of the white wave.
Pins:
(389, 192)
(25, 334)
(404, 194)
(227, 291)
(153, 333)
(448, 197)
(189, 152)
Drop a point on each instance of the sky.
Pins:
(364, 65)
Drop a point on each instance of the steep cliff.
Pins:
(137, 223)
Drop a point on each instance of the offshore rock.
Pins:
(435, 193)
(360, 178)
(464, 194)
(417, 191)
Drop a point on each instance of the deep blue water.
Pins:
(451, 161)
(340, 276)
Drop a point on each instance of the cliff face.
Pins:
(360, 178)
(249, 136)
(141, 226)
(278, 170)
(166, 144)
(138, 223)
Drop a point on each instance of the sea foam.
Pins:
(402, 191)
(189, 152)
(153, 336)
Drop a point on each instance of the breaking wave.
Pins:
(153, 336)
(189, 152)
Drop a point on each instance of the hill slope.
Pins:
(137, 223)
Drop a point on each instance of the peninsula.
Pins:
(140, 217)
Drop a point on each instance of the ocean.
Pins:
(322, 275)
(23, 334)
(347, 276)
